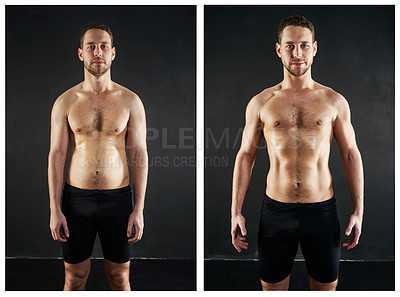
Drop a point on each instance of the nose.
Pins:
(297, 52)
(97, 51)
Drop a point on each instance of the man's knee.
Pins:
(117, 274)
(75, 278)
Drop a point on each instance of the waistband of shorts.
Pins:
(76, 190)
(270, 201)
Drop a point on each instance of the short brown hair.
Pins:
(295, 20)
(95, 25)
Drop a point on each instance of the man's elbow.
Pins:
(57, 156)
(351, 155)
(245, 156)
(139, 157)
(139, 152)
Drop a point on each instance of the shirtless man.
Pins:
(99, 117)
(298, 118)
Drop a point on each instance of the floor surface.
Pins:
(243, 275)
(145, 275)
(180, 275)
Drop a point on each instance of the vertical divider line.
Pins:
(200, 148)
(2, 151)
(397, 135)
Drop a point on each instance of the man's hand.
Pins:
(135, 220)
(238, 222)
(355, 223)
(58, 221)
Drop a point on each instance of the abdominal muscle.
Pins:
(299, 174)
(98, 163)
(315, 184)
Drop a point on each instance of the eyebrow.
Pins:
(102, 42)
(292, 42)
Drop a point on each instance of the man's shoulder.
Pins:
(256, 103)
(129, 96)
(330, 94)
(66, 98)
(131, 99)
(124, 91)
(265, 95)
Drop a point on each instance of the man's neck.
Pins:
(97, 84)
(297, 82)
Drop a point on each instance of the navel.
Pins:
(319, 122)
(276, 123)
(97, 172)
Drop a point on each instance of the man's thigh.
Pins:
(276, 257)
(79, 245)
(317, 286)
(112, 215)
(320, 244)
(277, 240)
(78, 207)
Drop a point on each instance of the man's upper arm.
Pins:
(253, 129)
(343, 129)
(59, 128)
(136, 132)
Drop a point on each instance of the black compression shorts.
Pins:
(284, 225)
(91, 211)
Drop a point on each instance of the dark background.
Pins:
(155, 58)
(355, 57)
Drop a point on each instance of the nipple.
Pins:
(276, 124)
(116, 130)
(319, 122)
(78, 129)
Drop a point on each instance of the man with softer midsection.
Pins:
(99, 117)
(298, 119)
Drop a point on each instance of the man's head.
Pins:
(96, 48)
(95, 25)
(295, 20)
(296, 44)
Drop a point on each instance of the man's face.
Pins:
(96, 52)
(296, 49)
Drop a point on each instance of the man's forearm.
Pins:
(355, 179)
(139, 168)
(55, 179)
(241, 179)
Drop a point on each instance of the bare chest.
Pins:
(297, 124)
(297, 114)
(89, 117)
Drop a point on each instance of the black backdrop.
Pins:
(156, 59)
(355, 57)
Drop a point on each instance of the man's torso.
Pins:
(298, 129)
(97, 127)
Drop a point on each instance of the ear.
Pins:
(80, 54)
(278, 50)
(315, 46)
(113, 53)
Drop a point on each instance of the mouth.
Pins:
(98, 62)
(298, 64)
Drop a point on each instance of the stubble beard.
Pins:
(97, 71)
(297, 73)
